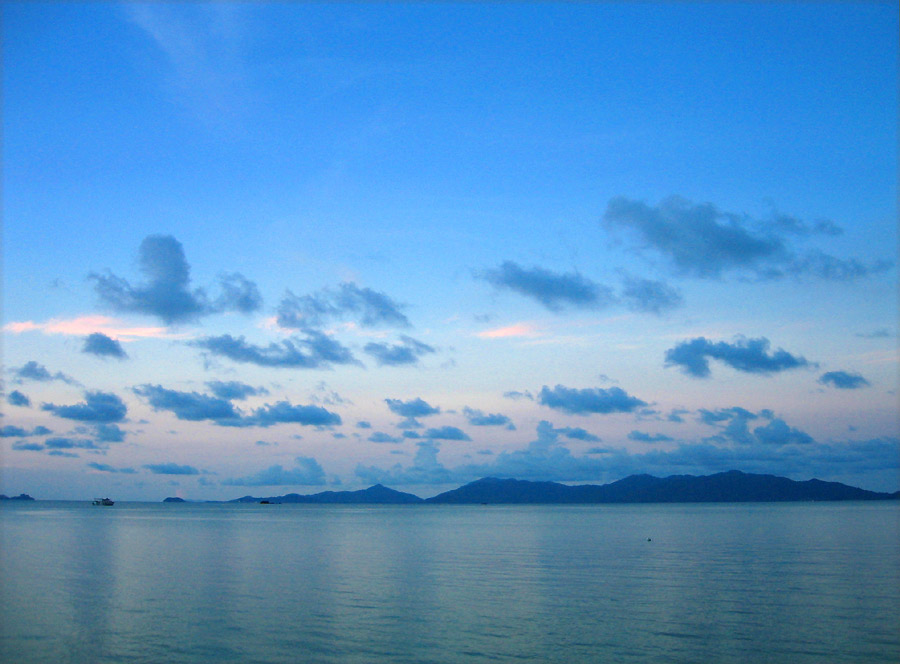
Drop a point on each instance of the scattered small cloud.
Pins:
(480, 419)
(306, 472)
(166, 292)
(32, 370)
(589, 400)
(171, 469)
(643, 437)
(516, 395)
(97, 407)
(368, 307)
(86, 325)
(577, 433)
(379, 437)
(746, 355)
(446, 433)
(517, 330)
(16, 398)
(393, 355)
(412, 408)
(109, 433)
(843, 380)
(26, 446)
(234, 390)
(106, 468)
(101, 345)
(882, 333)
(649, 296)
(553, 290)
(702, 241)
(316, 351)
(190, 406)
(284, 412)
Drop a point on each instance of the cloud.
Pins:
(379, 437)
(702, 241)
(480, 419)
(189, 406)
(316, 351)
(553, 290)
(234, 390)
(699, 239)
(106, 468)
(577, 433)
(12, 431)
(97, 407)
(166, 292)
(70, 443)
(412, 408)
(517, 330)
(85, 325)
(285, 412)
(24, 446)
(778, 433)
(238, 294)
(195, 407)
(747, 355)
(447, 433)
(368, 307)
(109, 433)
(171, 469)
(16, 398)
(38, 372)
(775, 433)
(882, 333)
(642, 437)
(777, 449)
(101, 345)
(307, 472)
(590, 400)
(829, 268)
(408, 352)
(843, 380)
(517, 396)
(425, 469)
(794, 226)
(648, 296)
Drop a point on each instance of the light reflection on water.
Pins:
(795, 582)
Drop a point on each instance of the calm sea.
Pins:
(801, 582)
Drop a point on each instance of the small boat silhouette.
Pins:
(103, 501)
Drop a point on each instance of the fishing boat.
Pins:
(104, 501)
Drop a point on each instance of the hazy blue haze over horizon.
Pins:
(799, 583)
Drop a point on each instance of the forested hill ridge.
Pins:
(21, 496)
(374, 495)
(730, 486)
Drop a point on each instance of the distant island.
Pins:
(732, 486)
(21, 496)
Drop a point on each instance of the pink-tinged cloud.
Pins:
(517, 330)
(85, 325)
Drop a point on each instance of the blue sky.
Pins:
(273, 247)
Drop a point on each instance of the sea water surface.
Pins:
(760, 582)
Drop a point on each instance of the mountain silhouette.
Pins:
(731, 486)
